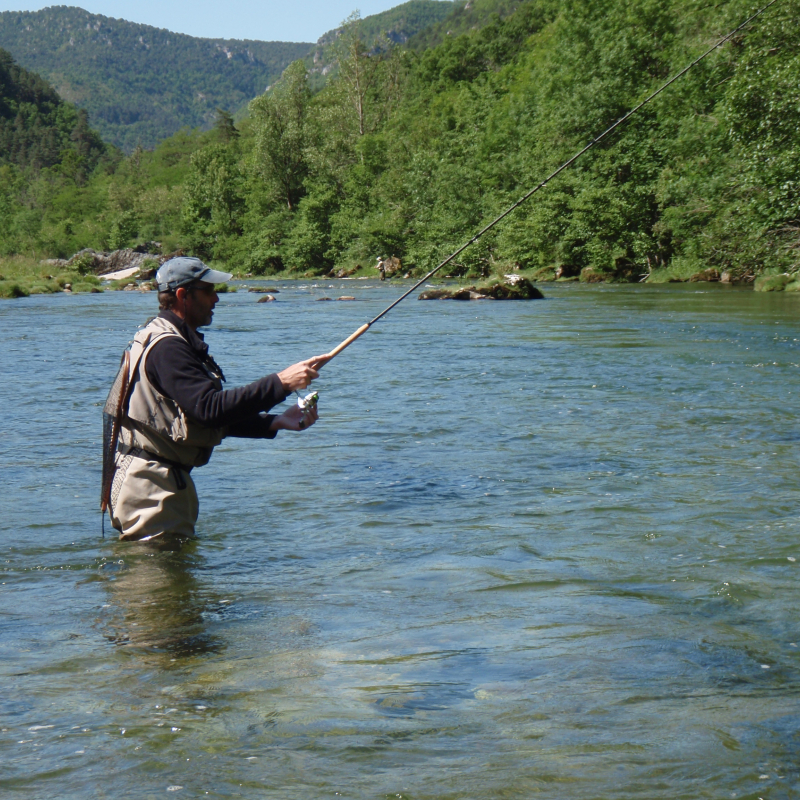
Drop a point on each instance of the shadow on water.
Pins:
(161, 605)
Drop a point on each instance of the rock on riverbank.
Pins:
(141, 261)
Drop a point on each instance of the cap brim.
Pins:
(215, 276)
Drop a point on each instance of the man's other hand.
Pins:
(295, 419)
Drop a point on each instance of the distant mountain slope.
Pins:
(398, 24)
(141, 84)
(38, 129)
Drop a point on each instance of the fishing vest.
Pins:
(155, 422)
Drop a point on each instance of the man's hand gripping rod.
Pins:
(310, 400)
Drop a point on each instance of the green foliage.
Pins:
(213, 202)
(81, 194)
(279, 124)
(22, 277)
(83, 263)
(408, 152)
(11, 290)
(262, 248)
(772, 283)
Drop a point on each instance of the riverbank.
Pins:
(22, 276)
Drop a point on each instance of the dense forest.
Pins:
(141, 84)
(406, 151)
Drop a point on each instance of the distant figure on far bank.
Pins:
(388, 266)
(167, 409)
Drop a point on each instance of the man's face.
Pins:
(200, 300)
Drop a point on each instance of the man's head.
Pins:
(186, 287)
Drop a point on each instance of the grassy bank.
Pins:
(21, 276)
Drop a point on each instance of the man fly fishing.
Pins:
(167, 409)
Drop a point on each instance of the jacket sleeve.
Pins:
(256, 427)
(177, 371)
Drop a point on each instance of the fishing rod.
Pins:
(367, 325)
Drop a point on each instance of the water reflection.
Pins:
(161, 605)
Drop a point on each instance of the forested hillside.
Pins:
(408, 152)
(466, 16)
(38, 129)
(40, 135)
(393, 27)
(141, 84)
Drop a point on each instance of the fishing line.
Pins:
(366, 326)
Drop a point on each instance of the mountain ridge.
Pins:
(139, 83)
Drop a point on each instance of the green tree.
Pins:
(279, 123)
(213, 200)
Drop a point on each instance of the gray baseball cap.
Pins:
(184, 269)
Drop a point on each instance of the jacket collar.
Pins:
(195, 339)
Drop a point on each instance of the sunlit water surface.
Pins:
(541, 549)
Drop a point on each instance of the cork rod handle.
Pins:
(349, 340)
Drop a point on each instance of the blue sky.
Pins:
(268, 20)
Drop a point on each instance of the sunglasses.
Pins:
(209, 289)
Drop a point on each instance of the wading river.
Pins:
(532, 549)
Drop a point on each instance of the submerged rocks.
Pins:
(512, 287)
(435, 294)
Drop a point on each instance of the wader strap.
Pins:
(177, 468)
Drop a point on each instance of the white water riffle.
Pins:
(532, 549)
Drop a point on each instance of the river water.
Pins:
(532, 549)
